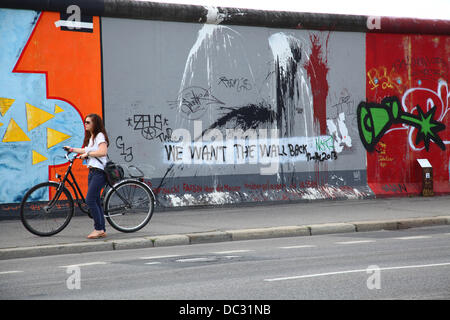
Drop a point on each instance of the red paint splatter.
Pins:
(317, 70)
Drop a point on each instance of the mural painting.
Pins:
(221, 114)
(50, 78)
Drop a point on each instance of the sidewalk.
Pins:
(228, 224)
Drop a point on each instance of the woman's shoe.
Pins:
(96, 234)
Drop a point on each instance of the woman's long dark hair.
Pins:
(98, 127)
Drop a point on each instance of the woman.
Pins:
(95, 150)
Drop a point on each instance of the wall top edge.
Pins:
(148, 10)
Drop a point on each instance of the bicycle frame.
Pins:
(73, 184)
(76, 188)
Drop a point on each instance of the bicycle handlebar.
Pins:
(67, 155)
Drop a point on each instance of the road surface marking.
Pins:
(159, 257)
(413, 238)
(85, 264)
(10, 272)
(156, 262)
(204, 259)
(232, 251)
(356, 271)
(298, 247)
(355, 242)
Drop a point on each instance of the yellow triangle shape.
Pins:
(5, 104)
(37, 157)
(58, 109)
(54, 137)
(14, 133)
(36, 116)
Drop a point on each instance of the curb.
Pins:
(221, 236)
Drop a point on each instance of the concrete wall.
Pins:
(227, 111)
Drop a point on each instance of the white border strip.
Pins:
(74, 24)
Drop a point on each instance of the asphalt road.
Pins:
(402, 264)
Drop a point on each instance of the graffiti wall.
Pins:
(219, 114)
(223, 114)
(404, 117)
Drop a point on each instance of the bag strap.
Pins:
(101, 160)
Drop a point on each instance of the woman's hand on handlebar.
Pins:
(70, 150)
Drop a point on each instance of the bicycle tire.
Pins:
(42, 218)
(129, 219)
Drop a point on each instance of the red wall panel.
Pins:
(413, 71)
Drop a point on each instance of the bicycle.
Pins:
(48, 207)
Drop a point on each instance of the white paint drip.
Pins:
(175, 201)
(327, 192)
(211, 38)
(214, 16)
(217, 197)
(310, 193)
(281, 48)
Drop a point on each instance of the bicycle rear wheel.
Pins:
(129, 206)
(44, 212)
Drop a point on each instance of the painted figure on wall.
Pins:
(50, 77)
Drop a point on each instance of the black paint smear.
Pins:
(250, 116)
(286, 89)
(285, 85)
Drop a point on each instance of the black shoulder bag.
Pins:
(114, 172)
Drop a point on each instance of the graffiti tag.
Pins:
(151, 126)
(194, 101)
(238, 83)
(375, 119)
(127, 153)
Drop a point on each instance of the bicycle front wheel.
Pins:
(129, 206)
(44, 211)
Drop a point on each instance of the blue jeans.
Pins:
(96, 181)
